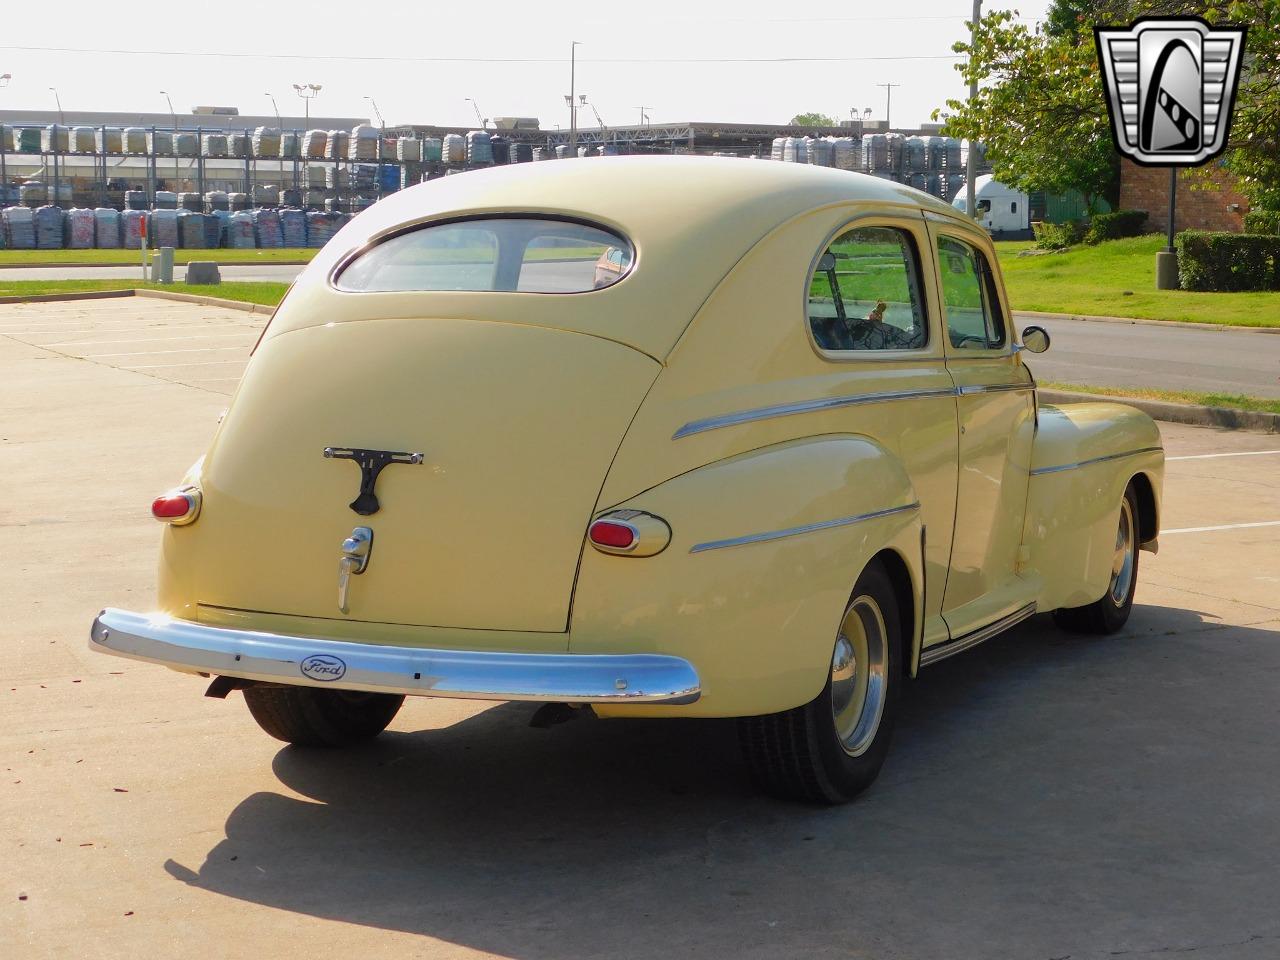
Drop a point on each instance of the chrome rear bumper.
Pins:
(463, 674)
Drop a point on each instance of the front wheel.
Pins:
(1111, 611)
(310, 717)
(832, 748)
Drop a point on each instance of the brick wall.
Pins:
(1147, 188)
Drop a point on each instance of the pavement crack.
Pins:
(1154, 951)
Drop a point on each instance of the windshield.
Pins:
(514, 254)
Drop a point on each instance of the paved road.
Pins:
(1096, 354)
(1048, 795)
(1166, 357)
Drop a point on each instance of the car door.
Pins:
(997, 422)
(873, 318)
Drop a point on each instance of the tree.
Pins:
(813, 120)
(1041, 111)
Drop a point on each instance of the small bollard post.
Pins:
(162, 265)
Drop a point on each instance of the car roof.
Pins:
(690, 218)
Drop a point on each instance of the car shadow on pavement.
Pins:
(1044, 791)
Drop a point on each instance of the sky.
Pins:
(704, 60)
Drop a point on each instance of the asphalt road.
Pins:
(1087, 353)
(1047, 795)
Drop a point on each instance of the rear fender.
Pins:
(765, 549)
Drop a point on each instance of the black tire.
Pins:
(309, 717)
(799, 754)
(1108, 614)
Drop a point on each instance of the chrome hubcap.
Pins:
(1123, 562)
(858, 675)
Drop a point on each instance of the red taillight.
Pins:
(178, 507)
(613, 534)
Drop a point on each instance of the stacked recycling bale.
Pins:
(132, 228)
(83, 140)
(216, 145)
(216, 200)
(845, 153)
(321, 227)
(265, 194)
(521, 153)
(191, 230)
(27, 139)
(363, 143)
(159, 142)
(238, 201)
(915, 156)
(337, 145)
(33, 194)
(19, 228)
(562, 151)
(239, 145)
(134, 140)
(314, 144)
(222, 219)
(266, 226)
(820, 152)
(106, 228)
(191, 201)
(455, 149)
(432, 149)
(293, 227)
(952, 185)
(109, 140)
(479, 148)
(49, 225)
(240, 231)
(55, 139)
(919, 180)
(290, 145)
(289, 197)
(543, 153)
(500, 149)
(135, 200)
(408, 150)
(164, 228)
(166, 200)
(777, 148)
(78, 229)
(266, 142)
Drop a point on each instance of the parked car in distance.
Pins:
(785, 457)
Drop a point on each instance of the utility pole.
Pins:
(571, 98)
(644, 117)
(971, 159)
(888, 100)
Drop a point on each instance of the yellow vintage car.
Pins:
(783, 458)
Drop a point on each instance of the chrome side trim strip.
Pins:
(994, 388)
(381, 668)
(1040, 471)
(802, 406)
(943, 650)
(797, 531)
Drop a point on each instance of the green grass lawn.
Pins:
(1233, 401)
(268, 294)
(1117, 279)
(128, 258)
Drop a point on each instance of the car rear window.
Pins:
(513, 254)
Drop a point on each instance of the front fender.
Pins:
(765, 549)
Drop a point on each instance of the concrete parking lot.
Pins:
(1048, 795)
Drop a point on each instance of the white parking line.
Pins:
(154, 353)
(1224, 526)
(151, 329)
(1210, 456)
(112, 343)
(161, 366)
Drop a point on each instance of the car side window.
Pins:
(974, 321)
(865, 295)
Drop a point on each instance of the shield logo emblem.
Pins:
(1171, 84)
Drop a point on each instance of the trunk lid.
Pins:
(517, 426)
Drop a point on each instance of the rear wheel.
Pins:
(1109, 613)
(310, 717)
(832, 748)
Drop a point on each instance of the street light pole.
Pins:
(888, 100)
(280, 130)
(58, 100)
(173, 116)
(382, 138)
(571, 99)
(308, 92)
(971, 160)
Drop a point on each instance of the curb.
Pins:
(58, 297)
(204, 300)
(81, 265)
(1184, 324)
(151, 294)
(1194, 414)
